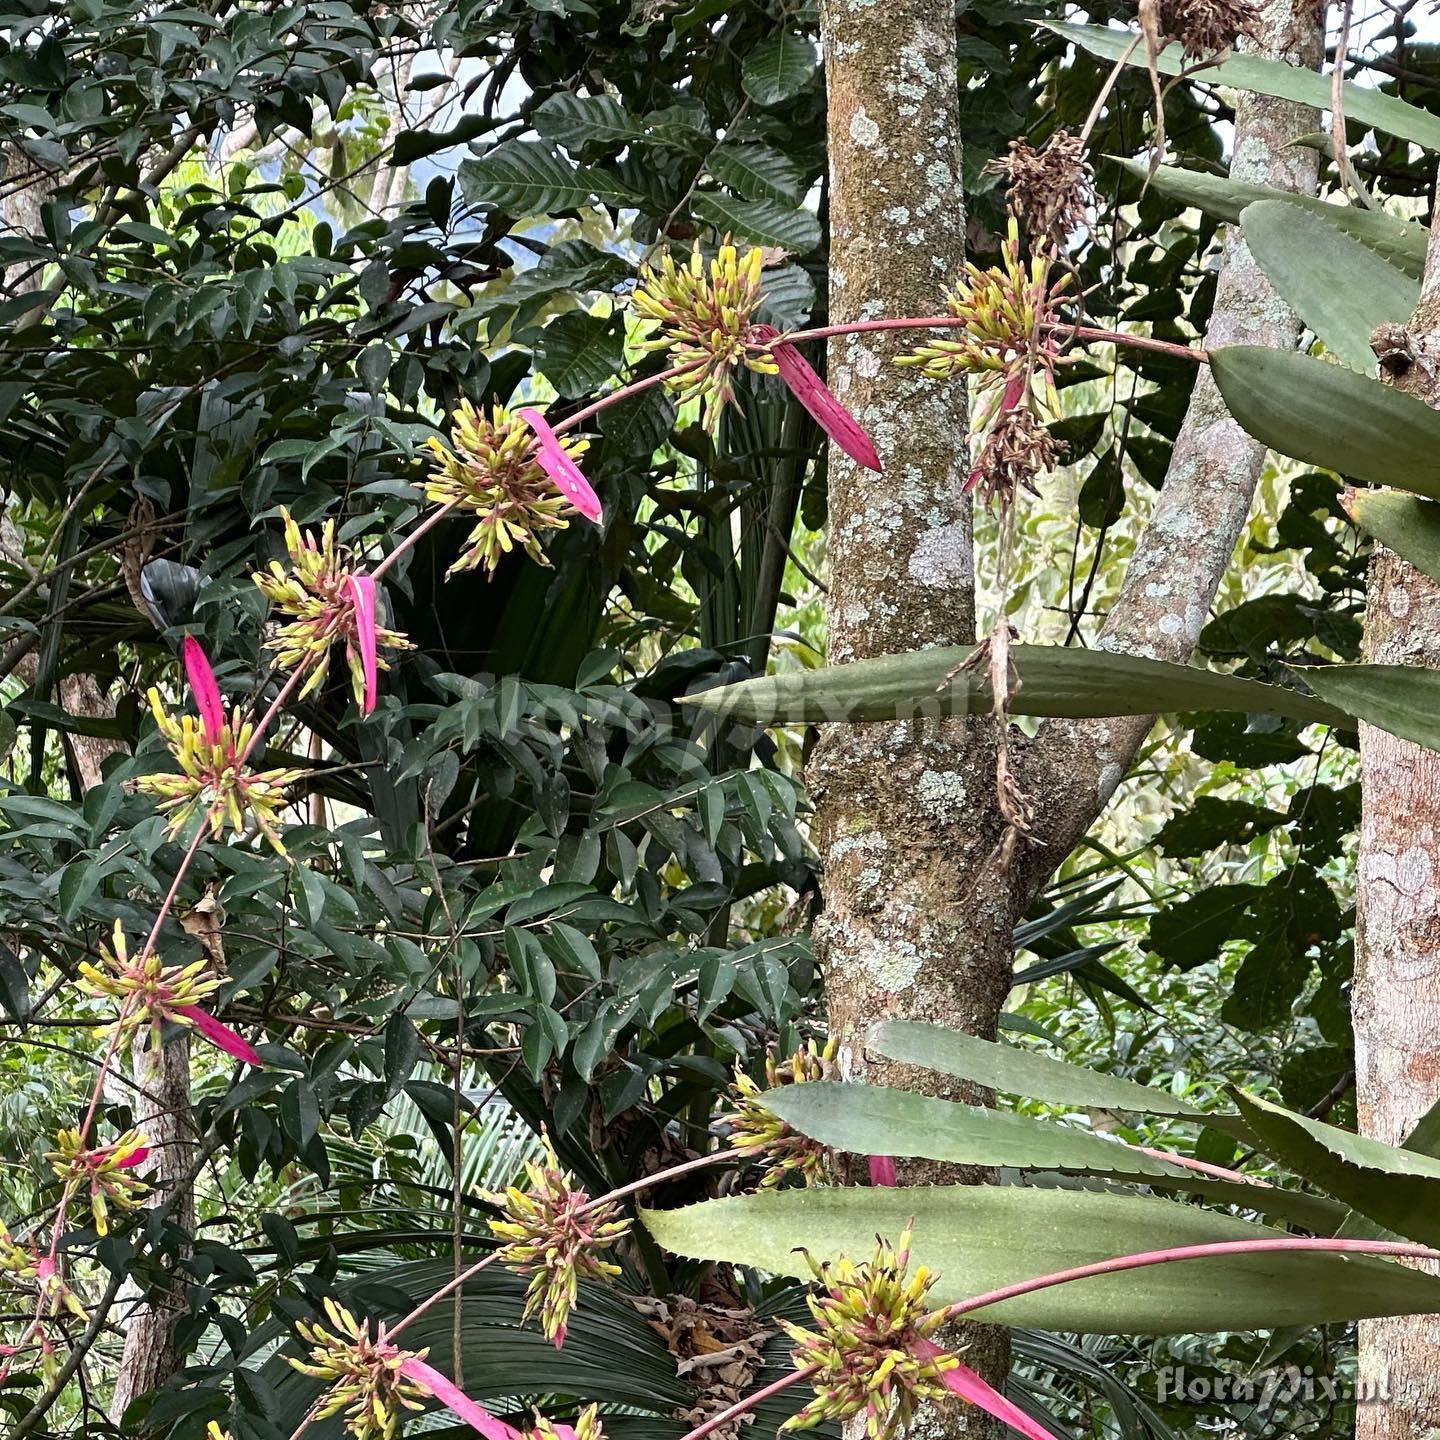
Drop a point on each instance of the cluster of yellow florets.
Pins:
(705, 314)
(492, 472)
(871, 1343)
(554, 1235)
(315, 592)
(761, 1134)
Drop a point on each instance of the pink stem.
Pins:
(1203, 1167)
(613, 397)
(406, 541)
(648, 1182)
(950, 322)
(454, 1283)
(749, 1402)
(1188, 1252)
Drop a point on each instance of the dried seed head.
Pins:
(1204, 27)
(1017, 449)
(1048, 189)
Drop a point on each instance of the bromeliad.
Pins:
(214, 779)
(151, 993)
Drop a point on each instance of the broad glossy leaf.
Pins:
(580, 353)
(979, 1238)
(1403, 699)
(576, 121)
(758, 172)
(1327, 415)
(1401, 242)
(1053, 681)
(779, 68)
(766, 222)
(1339, 287)
(1363, 106)
(1398, 1188)
(1403, 523)
(527, 177)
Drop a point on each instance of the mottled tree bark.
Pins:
(162, 1111)
(1396, 996)
(919, 911)
(915, 921)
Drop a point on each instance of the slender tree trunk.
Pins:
(162, 1111)
(906, 928)
(1074, 766)
(1396, 996)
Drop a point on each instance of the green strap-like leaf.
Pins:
(875, 1120)
(1403, 523)
(1269, 77)
(1013, 1071)
(1398, 1188)
(1327, 415)
(1053, 681)
(1339, 287)
(1401, 242)
(979, 1238)
(1403, 699)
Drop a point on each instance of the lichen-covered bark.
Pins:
(1395, 1002)
(904, 812)
(1074, 767)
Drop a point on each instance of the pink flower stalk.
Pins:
(813, 393)
(205, 690)
(362, 595)
(566, 474)
(882, 1170)
(429, 1379)
(220, 1035)
(970, 1386)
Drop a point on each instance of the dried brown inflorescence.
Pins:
(1204, 27)
(1017, 449)
(1049, 188)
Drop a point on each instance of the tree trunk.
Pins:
(1396, 996)
(897, 805)
(1074, 766)
(162, 1111)
(919, 910)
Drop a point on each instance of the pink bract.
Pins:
(204, 689)
(566, 474)
(450, 1394)
(218, 1034)
(817, 398)
(362, 596)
